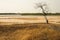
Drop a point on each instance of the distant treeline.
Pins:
(29, 14)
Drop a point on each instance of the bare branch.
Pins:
(43, 6)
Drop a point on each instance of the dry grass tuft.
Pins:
(30, 32)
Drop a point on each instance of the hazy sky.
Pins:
(18, 6)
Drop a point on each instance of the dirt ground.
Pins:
(30, 32)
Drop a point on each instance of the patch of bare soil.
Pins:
(30, 32)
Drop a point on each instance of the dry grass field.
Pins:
(36, 31)
(29, 28)
(13, 19)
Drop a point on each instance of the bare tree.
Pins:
(43, 7)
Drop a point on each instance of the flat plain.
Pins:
(18, 19)
(29, 28)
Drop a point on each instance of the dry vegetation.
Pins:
(30, 32)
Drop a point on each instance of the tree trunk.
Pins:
(44, 14)
(46, 19)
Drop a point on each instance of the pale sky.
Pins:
(27, 6)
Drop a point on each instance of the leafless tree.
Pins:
(43, 7)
